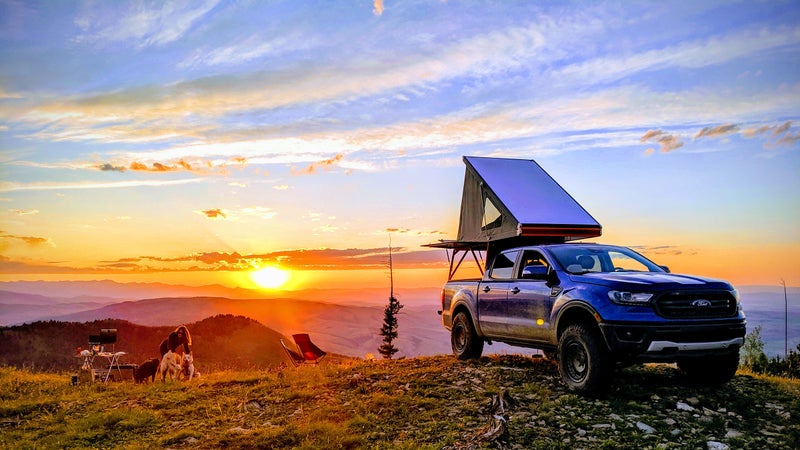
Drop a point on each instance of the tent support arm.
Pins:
(452, 261)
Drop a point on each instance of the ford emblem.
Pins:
(701, 303)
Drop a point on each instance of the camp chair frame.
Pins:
(308, 354)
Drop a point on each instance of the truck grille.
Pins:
(688, 305)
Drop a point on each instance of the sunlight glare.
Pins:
(270, 277)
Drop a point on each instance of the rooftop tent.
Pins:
(512, 198)
(513, 202)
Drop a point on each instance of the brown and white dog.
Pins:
(146, 370)
(170, 365)
(187, 368)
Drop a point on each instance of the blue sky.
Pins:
(140, 137)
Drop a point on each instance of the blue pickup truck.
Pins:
(594, 307)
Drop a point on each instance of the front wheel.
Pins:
(464, 339)
(583, 361)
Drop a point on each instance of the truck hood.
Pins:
(650, 281)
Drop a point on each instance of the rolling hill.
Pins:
(221, 342)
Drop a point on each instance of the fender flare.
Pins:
(465, 301)
(576, 310)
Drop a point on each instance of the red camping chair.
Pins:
(308, 354)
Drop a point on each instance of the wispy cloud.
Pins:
(253, 48)
(717, 131)
(6, 186)
(33, 241)
(319, 165)
(299, 259)
(24, 212)
(214, 213)
(144, 24)
(667, 141)
(692, 54)
(259, 212)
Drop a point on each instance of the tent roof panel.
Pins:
(529, 193)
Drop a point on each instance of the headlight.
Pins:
(629, 298)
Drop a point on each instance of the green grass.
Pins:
(419, 403)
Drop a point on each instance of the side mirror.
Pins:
(534, 273)
(666, 269)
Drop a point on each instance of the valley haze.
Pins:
(343, 321)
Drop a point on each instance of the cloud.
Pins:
(111, 168)
(694, 54)
(259, 212)
(314, 167)
(182, 165)
(256, 47)
(299, 259)
(46, 186)
(32, 241)
(778, 135)
(24, 212)
(214, 213)
(668, 142)
(409, 231)
(377, 7)
(143, 25)
(720, 130)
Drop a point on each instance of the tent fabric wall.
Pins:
(530, 202)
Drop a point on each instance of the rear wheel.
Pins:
(464, 339)
(583, 361)
(710, 370)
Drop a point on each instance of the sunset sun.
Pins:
(270, 277)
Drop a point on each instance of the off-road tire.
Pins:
(583, 360)
(710, 370)
(464, 340)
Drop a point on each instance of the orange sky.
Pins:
(195, 142)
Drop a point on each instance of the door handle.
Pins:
(515, 290)
(486, 289)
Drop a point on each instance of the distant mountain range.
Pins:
(340, 320)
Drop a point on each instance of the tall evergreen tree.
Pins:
(389, 328)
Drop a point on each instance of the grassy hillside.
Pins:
(431, 402)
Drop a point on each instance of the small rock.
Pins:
(601, 425)
(693, 401)
(733, 433)
(581, 432)
(615, 416)
(670, 421)
(714, 445)
(675, 432)
(684, 407)
(645, 427)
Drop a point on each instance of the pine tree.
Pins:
(389, 328)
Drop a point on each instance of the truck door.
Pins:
(493, 295)
(529, 301)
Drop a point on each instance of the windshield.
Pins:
(579, 259)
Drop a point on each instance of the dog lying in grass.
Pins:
(170, 365)
(187, 368)
(146, 370)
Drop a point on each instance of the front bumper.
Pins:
(670, 342)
